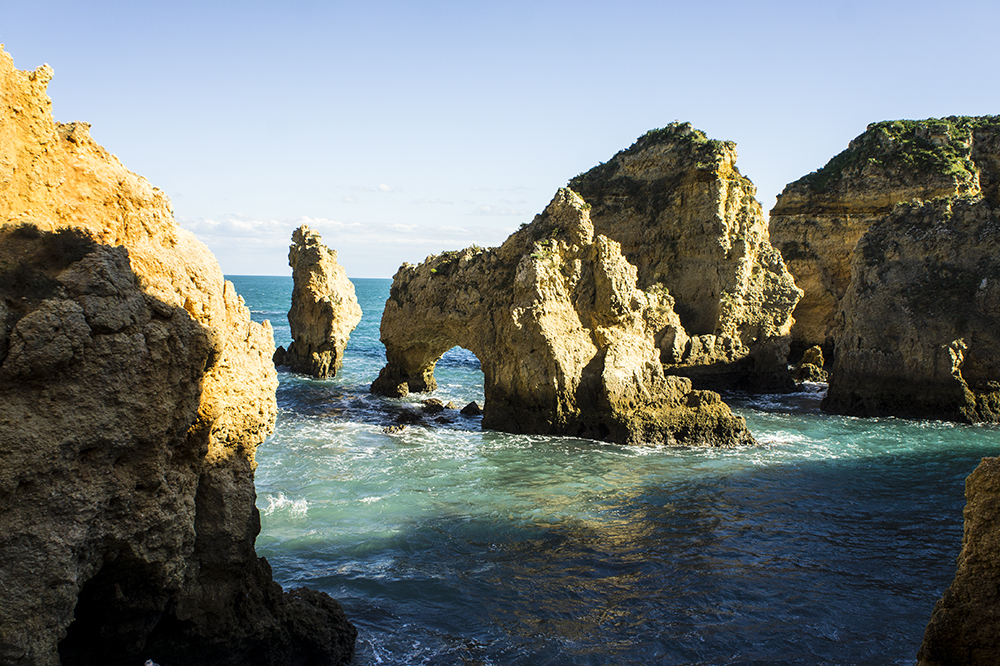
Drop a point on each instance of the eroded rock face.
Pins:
(690, 223)
(819, 218)
(324, 308)
(922, 316)
(965, 627)
(564, 337)
(134, 390)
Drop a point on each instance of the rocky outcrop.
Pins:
(690, 223)
(819, 218)
(921, 331)
(964, 629)
(134, 390)
(564, 337)
(810, 366)
(324, 308)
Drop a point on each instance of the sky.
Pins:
(402, 129)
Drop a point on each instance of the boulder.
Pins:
(134, 390)
(818, 219)
(324, 308)
(921, 332)
(690, 223)
(564, 337)
(810, 366)
(964, 629)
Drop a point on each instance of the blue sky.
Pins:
(401, 129)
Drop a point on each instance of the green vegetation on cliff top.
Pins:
(914, 148)
(682, 134)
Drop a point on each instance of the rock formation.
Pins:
(965, 627)
(324, 308)
(810, 366)
(564, 337)
(690, 223)
(134, 390)
(921, 315)
(819, 218)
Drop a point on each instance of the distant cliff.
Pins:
(921, 332)
(134, 390)
(324, 308)
(564, 337)
(819, 218)
(690, 223)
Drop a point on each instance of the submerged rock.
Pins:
(324, 308)
(690, 223)
(964, 629)
(134, 390)
(921, 316)
(564, 337)
(819, 219)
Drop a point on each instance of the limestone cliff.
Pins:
(965, 627)
(564, 337)
(819, 218)
(134, 390)
(324, 308)
(921, 315)
(690, 223)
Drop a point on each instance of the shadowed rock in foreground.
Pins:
(965, 627)
(324, 308)
(564, 337)
(134, 390)
(690, 223)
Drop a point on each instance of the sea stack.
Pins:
(565, 338)
(689, 222)
(819, 219)
(324, 308)
(896, 242)
(134, 390)
(921, 332)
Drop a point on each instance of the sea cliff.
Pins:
(689, 222)
(134, 390)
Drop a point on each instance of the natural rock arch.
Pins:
(564, 338)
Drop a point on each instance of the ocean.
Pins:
(829, 543)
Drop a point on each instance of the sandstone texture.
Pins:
(134, 390)
(921, 315)
(324, 308)
(565, 338)
(819, 218)
(964, 629)
(690, 223)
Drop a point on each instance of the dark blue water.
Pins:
(827, 544)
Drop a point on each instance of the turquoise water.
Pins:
(827, 544)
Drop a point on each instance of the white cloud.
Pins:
(403, 227)
(499, 210)
(441, 202)
(350, 199)
(384, 188)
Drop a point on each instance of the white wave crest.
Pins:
(294, 508)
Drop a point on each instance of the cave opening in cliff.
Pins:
(115, 612)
